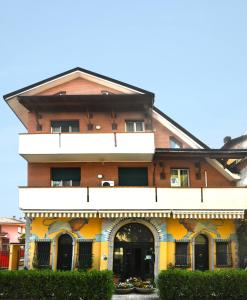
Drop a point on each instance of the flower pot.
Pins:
(144, 291)
(124, 291)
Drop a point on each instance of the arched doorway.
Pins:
(201, 252)
(64, 252)
(134, 252)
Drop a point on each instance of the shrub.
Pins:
(182, 284)
(34, 284)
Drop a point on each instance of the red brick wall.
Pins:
(39, 174)
(103, 119)
(79, 86)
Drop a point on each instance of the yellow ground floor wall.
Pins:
(166, 233)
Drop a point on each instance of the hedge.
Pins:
(33, 284)
(182, 284)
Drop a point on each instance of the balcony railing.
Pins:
(87, 147)
(178, 201)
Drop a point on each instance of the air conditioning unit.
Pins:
(107, 183)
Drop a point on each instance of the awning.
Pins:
(175, 214)
(210, 214)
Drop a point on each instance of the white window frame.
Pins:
(60, 183)
(60, 128)
(179, 177)
(135, 121)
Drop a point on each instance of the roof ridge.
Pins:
(71, 71)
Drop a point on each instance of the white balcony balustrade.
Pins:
(102, 200)
(88, 147)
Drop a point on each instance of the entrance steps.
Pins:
(153, 296)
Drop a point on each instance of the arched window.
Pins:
(134, 233)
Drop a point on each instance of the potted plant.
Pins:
(145, 287)
(124, 288)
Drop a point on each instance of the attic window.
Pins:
(175, 144)
(106, 93)
(60, 93)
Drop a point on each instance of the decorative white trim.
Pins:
(175, 214)
(150, 224)
(134, 214)
(211, 214)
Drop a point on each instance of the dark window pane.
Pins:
(65, 126)
(66, 176)
(43, 254)
(222, 254)
(181, 254)
(133, 176)
(85, 255)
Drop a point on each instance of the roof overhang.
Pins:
(39, 87)
(200, 153)
(75, 103)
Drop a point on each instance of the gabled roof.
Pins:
(232, 142)
(72, 71)
(11, 221)
(181, 128)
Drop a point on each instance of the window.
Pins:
(65, 126)
(85, 256)
(179, 177)
(182, 254)
(65, 176)
(135, 126)
(223, 254)
(133, 176)
(174, 144)
(42, 254)
(4, 245)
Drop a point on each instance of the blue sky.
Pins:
(191, 54)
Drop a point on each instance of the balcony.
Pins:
(135, 201)
(96, 147)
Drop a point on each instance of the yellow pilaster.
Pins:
(163, 256)
(104, 255)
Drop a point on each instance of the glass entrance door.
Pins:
(134, 252)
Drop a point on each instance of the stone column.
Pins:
(27, 263)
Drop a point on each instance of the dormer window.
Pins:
(65, 126)
(175, 144)
(134, 126)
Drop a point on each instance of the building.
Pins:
(238, 165)
(114, 183)
(11, 231)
